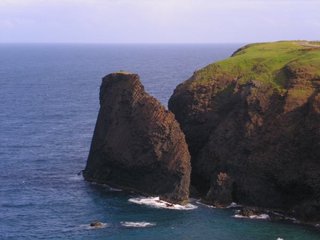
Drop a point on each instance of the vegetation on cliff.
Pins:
(266, 62)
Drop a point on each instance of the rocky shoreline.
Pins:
(271, 215)
(246, 130)
(259, 213)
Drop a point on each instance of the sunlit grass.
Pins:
(265, 62)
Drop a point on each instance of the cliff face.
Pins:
(137, 143)
(252, 123)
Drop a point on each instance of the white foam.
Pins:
(233, 205)
(155, 202)
(203, 204)
(107, 187)
(137, 224)
(292, 219)
(89, 227)
(111, 189)
(280, 238)
(260, 216)
(77, 177)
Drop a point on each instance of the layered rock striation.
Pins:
(137, 143)
(252, 123)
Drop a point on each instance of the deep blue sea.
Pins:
(48, 107)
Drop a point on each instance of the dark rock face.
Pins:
(137, 143)
(267, 142)
(220, 192)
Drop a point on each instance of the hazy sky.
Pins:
(158, 21)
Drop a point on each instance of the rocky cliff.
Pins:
(252, 123)
(137, 143)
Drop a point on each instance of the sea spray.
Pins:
(155, 202)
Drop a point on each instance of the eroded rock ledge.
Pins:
(137, 143)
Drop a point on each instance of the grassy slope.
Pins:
(265, 62)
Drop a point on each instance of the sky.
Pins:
(158, 21)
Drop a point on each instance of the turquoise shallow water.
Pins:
(48, 108)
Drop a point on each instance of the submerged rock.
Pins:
(256, 118)
(137, 143)
(96, 224)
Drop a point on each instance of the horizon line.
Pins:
(125, 43)
(157, 43)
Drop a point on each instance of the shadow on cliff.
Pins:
(252, 145)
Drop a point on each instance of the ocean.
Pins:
(48, 108)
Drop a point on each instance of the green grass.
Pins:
(265, 62)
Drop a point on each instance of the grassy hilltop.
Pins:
(266, 62)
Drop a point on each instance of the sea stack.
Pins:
(252, 123)
(137, 143)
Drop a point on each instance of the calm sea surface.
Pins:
(48, 108)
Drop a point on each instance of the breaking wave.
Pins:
(155, 202)
(77, 177)
(137, 224)
(260, 216)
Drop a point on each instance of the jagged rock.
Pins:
(256, 117)
(137, 143)
(220, 192)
